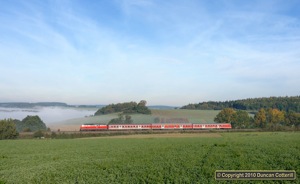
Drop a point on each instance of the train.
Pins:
(156, 126)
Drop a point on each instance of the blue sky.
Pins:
(166, 52)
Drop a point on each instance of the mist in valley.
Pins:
(49, 115)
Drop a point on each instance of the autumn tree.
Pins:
(274, 118)
(260, 118)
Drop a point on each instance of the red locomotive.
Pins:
(174, 126)
(92, 127)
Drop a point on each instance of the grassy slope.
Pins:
(194, 116)
(148, 160)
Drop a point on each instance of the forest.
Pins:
(282, 103)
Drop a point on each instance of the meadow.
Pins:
(147, 159)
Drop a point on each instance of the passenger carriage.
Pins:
(130, 127)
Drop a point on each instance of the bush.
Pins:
(53, 135)
(26, 130)
(8, 129)
(38, 134)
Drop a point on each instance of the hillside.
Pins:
(282, 103)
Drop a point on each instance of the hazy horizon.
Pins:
(49, 115)
(94, 104)
(165, 52)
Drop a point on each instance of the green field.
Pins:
(154, 159)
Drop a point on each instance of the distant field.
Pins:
(193, 116)
(147, 158)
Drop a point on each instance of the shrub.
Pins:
(8, 129)
(38, 134)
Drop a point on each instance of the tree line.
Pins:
(271, 119)
(127, 107)
(281, 103)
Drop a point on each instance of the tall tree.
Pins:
(291, 118)
(34, 123)
(128, 119)
(227, 115)
(274, 118)
(141, 107)
(260, 118)
(242, 120)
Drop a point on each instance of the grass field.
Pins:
(147, 159)
(194, 116)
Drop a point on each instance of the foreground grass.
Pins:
(147, 160)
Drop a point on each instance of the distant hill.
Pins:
(31, 105)
(44, 104)
(282, 103)
(62, 104)
(90, 106)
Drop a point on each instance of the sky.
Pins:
(169, 52)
